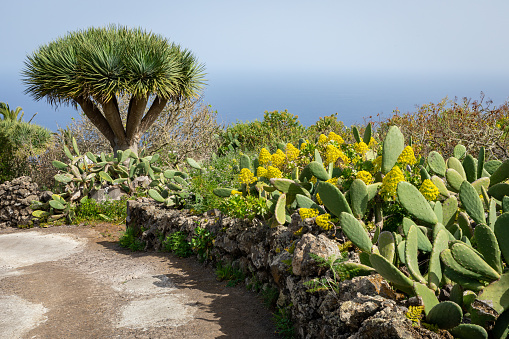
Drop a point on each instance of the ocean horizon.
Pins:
(245, 96)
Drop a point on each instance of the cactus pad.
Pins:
(469, 259)
(472, 203)
(445, 315)
(333, 199)
(487, 245)
(390, 272)
(454, 179)
(469, 331)
(393, 145)
(415, 203)
(456, 165)
(355, 231)
(501, 230)
(358, 198)
(436, 163)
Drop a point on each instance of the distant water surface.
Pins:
(243, 96)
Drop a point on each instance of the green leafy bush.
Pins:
(440, 126)
(229, 273)
(249, 207)
(20, 142)
(177, 244)
(108, 210)
(130, 239)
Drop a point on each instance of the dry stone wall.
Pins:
(15, 199)
(364, 307)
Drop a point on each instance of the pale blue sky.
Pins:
(239, 39)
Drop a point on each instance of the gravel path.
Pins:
(76, 282)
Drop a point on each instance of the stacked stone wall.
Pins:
(15, 199)
(364, 307)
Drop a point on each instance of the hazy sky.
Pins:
(287, 37)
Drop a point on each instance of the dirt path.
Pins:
(76, 282)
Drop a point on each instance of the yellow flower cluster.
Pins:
(318, 199)
(372, 143)
(361, 148)
(332, 154)
(291, 152)
(324, 222)
(364, 176)
(261, 172)
(235, 192)
(334, 137)
(273, 172)
(278, 158)
(246, 176)
(390, 182)
(407, 157)
(429, 190)
(307, 213)
(264, 157)
(304, 145)
(333, 181)
(322, 139)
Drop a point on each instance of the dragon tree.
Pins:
(93, 67)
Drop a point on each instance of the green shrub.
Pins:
(20, 142)
(238, 206)
(441, 126)
(108, 210)
(218, 172)
(253, 136)
(129, 239)
(228, 272)
(177, 244)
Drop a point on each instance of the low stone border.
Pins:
(364, 307)
(15, 199)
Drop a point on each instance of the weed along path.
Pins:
(76, 282)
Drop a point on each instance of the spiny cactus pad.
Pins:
(501, 230)
(469, 331)
(469, 259)
(316, 169)
(355, 231)
(411, 254)
(456, 165)
(415, 203)
(499, 190)
(387, 245)
(436, 163)
(470, 166)
(358, 198)
(500, 174)
(435, 268)
(471, 202)
(393, 145)
(487, 245)
(427, 296)
(496, 294)
(390, 272)
(333, 199)
(459, 151)
(445, 315)
(449, 210)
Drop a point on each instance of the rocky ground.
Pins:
(76, 282)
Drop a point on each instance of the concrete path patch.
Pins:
(18, 316)
(28, 248)
(168, 310)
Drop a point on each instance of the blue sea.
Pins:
(245, 96)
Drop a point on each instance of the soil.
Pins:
(77, 282)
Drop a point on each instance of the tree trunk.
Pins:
(109, 123)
